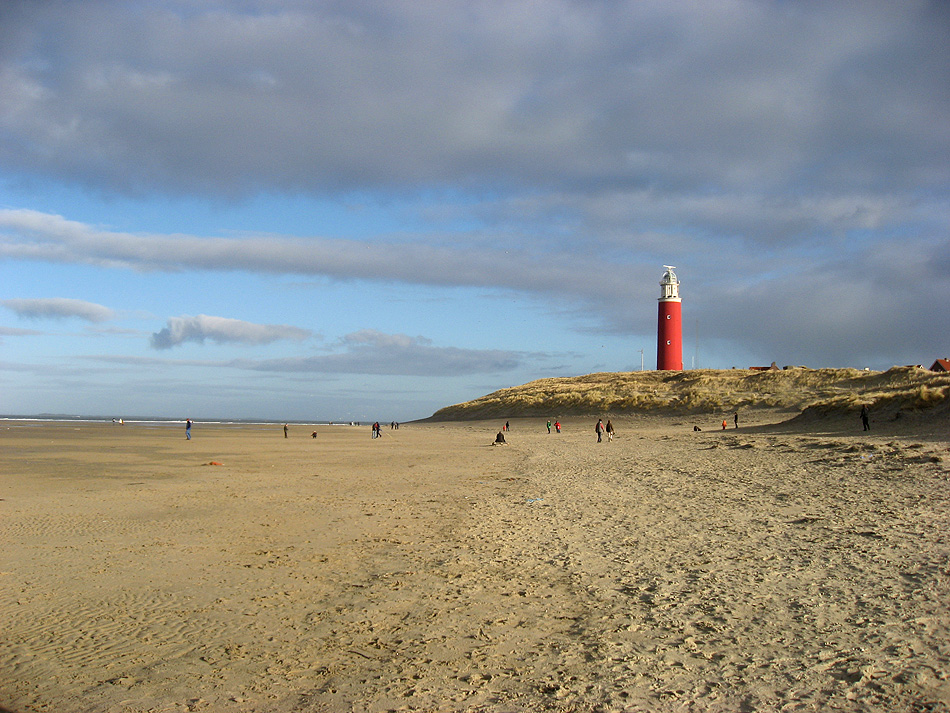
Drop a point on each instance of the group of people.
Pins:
(376, 429)
(601, 429)
(735, 418)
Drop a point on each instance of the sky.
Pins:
(353, 210)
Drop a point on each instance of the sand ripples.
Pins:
(665, 571)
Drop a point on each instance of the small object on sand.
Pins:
(214, 462)
(697, 428)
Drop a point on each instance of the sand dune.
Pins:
(898, 391)
(765, 568)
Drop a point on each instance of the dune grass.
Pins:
(711, 391)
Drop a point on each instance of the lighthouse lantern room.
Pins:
(669, 329)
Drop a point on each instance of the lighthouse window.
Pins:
(668, 316)
(668, 341)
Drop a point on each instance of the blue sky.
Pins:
(364, 210)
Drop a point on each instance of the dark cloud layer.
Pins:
(340, 96)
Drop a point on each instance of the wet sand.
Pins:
(668, 570)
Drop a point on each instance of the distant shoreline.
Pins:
(157, 421)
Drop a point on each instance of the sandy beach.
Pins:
(752, 569)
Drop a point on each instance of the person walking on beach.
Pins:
(507, 426)
(557, 426)
(866, 417)
(610, 431)
(285, 430)
(599, 429)
(735, 417)
(188, 429)
(549, 426)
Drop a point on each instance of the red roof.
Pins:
(941, 365)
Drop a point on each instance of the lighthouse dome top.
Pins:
(669, 285)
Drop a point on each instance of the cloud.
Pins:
(364, 352)
(325, 97)
(149, 362)
(774, 151)
(59, 308)
(372, 352)
(33, 235)
(14, 332)
(764, 299)
(222, 330)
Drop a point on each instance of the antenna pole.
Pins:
(696, 345)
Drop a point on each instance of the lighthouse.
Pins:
(669, 327)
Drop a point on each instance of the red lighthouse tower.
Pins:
(669, 328)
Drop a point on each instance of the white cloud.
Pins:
(222, 330)
(733, 291)
(32, 235)
(59, 308)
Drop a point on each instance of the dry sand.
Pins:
(669, 570)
